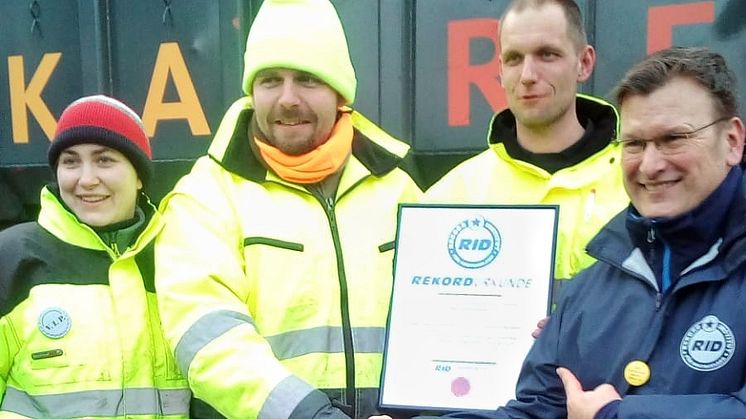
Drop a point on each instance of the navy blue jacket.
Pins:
(693, 337)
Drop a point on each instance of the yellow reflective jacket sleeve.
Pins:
(203, 299)
(9, 347)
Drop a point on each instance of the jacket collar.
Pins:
(56, 218)
(614, 245)
(232, 149)
(599, 118)
(691, 234)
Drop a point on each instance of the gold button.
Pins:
(637, 373)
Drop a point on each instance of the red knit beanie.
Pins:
(102, 120)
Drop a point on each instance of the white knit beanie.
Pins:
(303, 35)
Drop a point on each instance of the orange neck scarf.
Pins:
(317, 164)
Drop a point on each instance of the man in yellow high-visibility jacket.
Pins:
(552, 146)
(275, 261)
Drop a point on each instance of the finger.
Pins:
(571, 384)
(542, 323)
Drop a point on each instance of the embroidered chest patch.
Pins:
(707, 345)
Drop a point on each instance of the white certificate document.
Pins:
(470, 284)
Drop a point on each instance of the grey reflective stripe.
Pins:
(107, 403)
(284, 398)
(208, 328)
(325, 339)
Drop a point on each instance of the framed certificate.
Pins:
(470, 284)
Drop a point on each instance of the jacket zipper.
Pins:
(658, 293)
(328, 204)
(115, 248)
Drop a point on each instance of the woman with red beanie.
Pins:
(80, 334)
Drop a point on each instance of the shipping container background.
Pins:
(427, 70)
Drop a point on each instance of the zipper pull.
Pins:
(658, 300)
(651, 235)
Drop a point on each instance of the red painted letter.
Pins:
(662, 19)
(462, 74)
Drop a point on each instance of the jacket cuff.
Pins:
(316, 406)
(609, 411)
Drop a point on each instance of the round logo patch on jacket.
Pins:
(54, 322)
(707, 345)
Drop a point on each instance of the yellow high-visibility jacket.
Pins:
(79, 329)
(275, 300)
(588, 193)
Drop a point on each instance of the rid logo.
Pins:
(707, 345)
(474, 243)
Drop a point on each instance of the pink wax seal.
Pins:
(460, 387)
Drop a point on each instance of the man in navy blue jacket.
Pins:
(657, 327)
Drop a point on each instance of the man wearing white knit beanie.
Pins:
(274, 268)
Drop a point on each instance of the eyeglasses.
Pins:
(668, 144)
